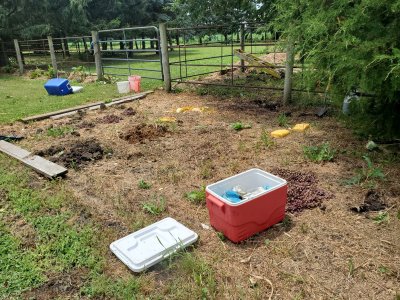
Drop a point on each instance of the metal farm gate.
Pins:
(131, 51)
(220, 55)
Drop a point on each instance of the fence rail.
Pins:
(180, 55)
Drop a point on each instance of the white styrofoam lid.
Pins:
(150, 245)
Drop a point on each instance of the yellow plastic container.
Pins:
(301, 127)
(280, 133)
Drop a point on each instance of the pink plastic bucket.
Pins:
(134, 83)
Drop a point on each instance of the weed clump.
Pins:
(319, 153)
(240, 126)
(197, 196)
(368, 174)
(144, 185)
(155, 207)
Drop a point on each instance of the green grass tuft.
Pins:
(197, 196)
(319, 153)
(144, 185)
(156, 206)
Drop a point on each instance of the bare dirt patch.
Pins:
(142, 132)
(109, 119)
(129, 112)
(74, 155)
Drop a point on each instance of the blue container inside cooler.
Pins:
(58, 86)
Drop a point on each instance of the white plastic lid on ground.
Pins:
(150, 245)
(76, 89)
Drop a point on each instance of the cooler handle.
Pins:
(216, 202)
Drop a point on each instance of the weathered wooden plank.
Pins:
(72, 110)
(59, 112)
(38, 163)
(135, 97)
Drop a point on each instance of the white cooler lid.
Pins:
(150, 245)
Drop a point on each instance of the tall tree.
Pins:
(351, 44)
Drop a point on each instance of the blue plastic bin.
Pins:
(58, 86)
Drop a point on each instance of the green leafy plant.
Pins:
(369, 173)
(36, 73)
(240, 126)
(383, 270)
(59, 131)
(341, 47)
(197, 196)
(51, 73)
(382, 217)
(156, 206)
(319, 153)
(282, 120)
(144, 185)
(221, 236)
(79, 73)
(266, 139)
(8, 68)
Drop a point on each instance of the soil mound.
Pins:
(109, 119)
(303, 191)
(372, 202)
(75, 155)
(143, 132)
(129, 112)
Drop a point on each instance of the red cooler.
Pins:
(262, 209)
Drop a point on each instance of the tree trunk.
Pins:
(177, 39)
(104, 46)
(65, 41)
(200, 40)
(3, 55)
(121, 46)
(130, 46)
(85, 45)
(143, 42)
(226, 38)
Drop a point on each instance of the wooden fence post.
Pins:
(287, 90)
(52, 55)
(19, 57)
(97, 55)
(165, 57)
(242, 42)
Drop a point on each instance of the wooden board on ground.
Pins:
(72, 110)
(58, 112)
(38, 163)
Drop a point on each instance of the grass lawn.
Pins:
(21, 97)
(45, 242)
